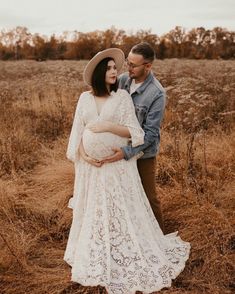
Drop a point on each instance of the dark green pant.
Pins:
(146, 168)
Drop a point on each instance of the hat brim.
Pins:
(115, 53)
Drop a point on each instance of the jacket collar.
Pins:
(145, 84)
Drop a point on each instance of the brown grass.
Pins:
(195, 173)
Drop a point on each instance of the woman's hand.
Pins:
(92, 161)
(100, 126)
(87, 158)
(118, 155)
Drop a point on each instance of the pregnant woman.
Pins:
(114, 240)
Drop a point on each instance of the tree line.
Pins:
(198, 43)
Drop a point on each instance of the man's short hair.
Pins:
(145, 50)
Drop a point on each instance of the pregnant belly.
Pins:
(99, 145)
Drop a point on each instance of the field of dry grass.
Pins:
(195, 172)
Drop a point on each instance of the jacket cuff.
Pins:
(126, 152)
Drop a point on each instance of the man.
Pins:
(149, 99)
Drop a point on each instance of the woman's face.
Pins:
(111, 73)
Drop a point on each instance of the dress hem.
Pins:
(133, 291)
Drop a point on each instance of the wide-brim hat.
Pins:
(115, 53)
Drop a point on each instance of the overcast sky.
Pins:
(56, 16)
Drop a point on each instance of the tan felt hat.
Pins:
(115, 53)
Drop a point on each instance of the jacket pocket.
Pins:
(140, 111)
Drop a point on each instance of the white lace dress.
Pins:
(115, 240)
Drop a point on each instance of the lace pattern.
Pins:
(115, 240)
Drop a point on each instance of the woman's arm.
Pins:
(106, 126)
(87, 158)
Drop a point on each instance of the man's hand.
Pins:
(100, 126)
(118, 155)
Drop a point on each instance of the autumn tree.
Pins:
(198, 43)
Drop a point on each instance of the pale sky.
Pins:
(56, 16)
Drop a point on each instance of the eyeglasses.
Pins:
(129, 64)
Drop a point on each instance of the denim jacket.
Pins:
(149, 100)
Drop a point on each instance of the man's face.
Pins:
(136, 66)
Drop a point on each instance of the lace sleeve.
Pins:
(76, 133)
(129, 119)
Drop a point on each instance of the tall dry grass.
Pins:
(195, 173)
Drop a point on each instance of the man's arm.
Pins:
(151, 127)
